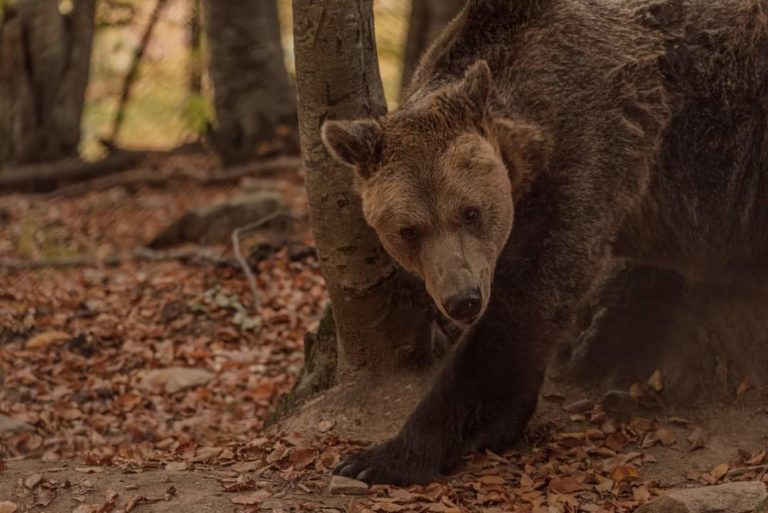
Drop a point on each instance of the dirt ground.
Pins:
(84, 349)
(731, 430)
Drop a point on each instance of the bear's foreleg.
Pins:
(489, 388)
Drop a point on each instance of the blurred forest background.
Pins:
(171, 101)
(164, 299)
(166, 108)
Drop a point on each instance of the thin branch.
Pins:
(133, 72)
(236, 233)
(746, 470)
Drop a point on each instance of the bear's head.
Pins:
(438, 180)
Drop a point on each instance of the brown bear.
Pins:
(603, 128)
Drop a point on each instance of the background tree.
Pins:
(382, 319)
(44, 64)
(253, 94)
(428, 19)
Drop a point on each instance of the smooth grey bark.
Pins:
(44, 65)
(428, 19)
(382, 318)
(253, 94)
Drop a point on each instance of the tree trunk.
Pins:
(382, 318)
(44, 64)
(195, 50)
(253, 95)
(428, 19)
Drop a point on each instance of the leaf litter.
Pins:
(157, 365)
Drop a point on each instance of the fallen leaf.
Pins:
(251, 499)
(565, 485)
(300, 458)
(616, 441)
(491, 480)
(744, 386)
(8, 507)
(625, 473)
(47, 339)
(719, 471)
(581, 406)
(656, 381)
(757, 459)
(388, 506)
(641, 494)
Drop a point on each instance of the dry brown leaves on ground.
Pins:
(161, 365)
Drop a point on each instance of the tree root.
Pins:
(71, 177)
(188, 256)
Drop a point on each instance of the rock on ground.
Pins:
(726, 498)
(215, 224)
(175, 379)
(341, 484)
(10, 425)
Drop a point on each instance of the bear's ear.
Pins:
(477, 84)
(355, 143)
(525, 149)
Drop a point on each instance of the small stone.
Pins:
(10, 425)
(33, 480)
(176, 379)
(727, 498)
(325, 425)
(698, 439)
(345, 485)
(8, 507)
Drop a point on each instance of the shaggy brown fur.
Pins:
(635, 128)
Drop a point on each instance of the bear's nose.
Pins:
(464, 306)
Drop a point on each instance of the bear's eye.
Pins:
(471, 215)
(409, 234)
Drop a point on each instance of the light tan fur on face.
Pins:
(450, 255)
(422, 166)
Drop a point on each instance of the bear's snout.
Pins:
(465, 306)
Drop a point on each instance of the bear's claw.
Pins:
(387, 463)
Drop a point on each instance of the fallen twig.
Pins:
(140, 177)
(239, 255)
(140, 254)
(736, 472)
(141, 499)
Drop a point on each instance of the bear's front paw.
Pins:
(389, 463)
